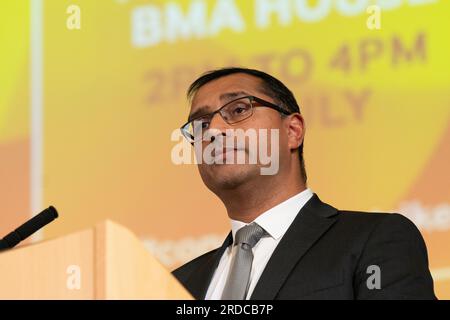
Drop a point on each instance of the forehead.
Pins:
(209, 94)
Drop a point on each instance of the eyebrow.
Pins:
(224, 96)
(200, 111)
(231, 95)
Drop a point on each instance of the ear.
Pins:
(295, 125)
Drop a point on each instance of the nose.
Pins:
(213, 137)
(217, 126)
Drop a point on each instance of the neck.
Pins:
(248, 201)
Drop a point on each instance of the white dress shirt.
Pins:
(275, 221)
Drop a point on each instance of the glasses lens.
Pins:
(195, 129)
(237, 110)
(233, 112)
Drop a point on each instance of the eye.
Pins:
(200, 124)
(205, 124)
(240, 109)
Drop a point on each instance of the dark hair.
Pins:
(270, 86)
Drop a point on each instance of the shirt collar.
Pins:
(277, 220)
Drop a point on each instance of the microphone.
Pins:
(28, 228)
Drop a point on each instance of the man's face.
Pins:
(214, 95)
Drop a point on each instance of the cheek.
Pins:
(263, 122)
(203, 170)
(272, 124)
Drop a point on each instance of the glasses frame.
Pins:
(261, 102)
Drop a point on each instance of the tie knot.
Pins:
(249, 235)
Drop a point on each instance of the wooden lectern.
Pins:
(104, 262)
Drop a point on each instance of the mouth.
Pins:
(223, 152)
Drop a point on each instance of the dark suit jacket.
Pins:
(326, 253)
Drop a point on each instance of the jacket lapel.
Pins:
(314, 219)
(199, 281)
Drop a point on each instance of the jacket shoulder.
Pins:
(375, 219)
(366, 225)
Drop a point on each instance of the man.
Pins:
(286, 243)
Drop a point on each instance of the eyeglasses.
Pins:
(232, 112)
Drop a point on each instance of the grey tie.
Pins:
(241, 265)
